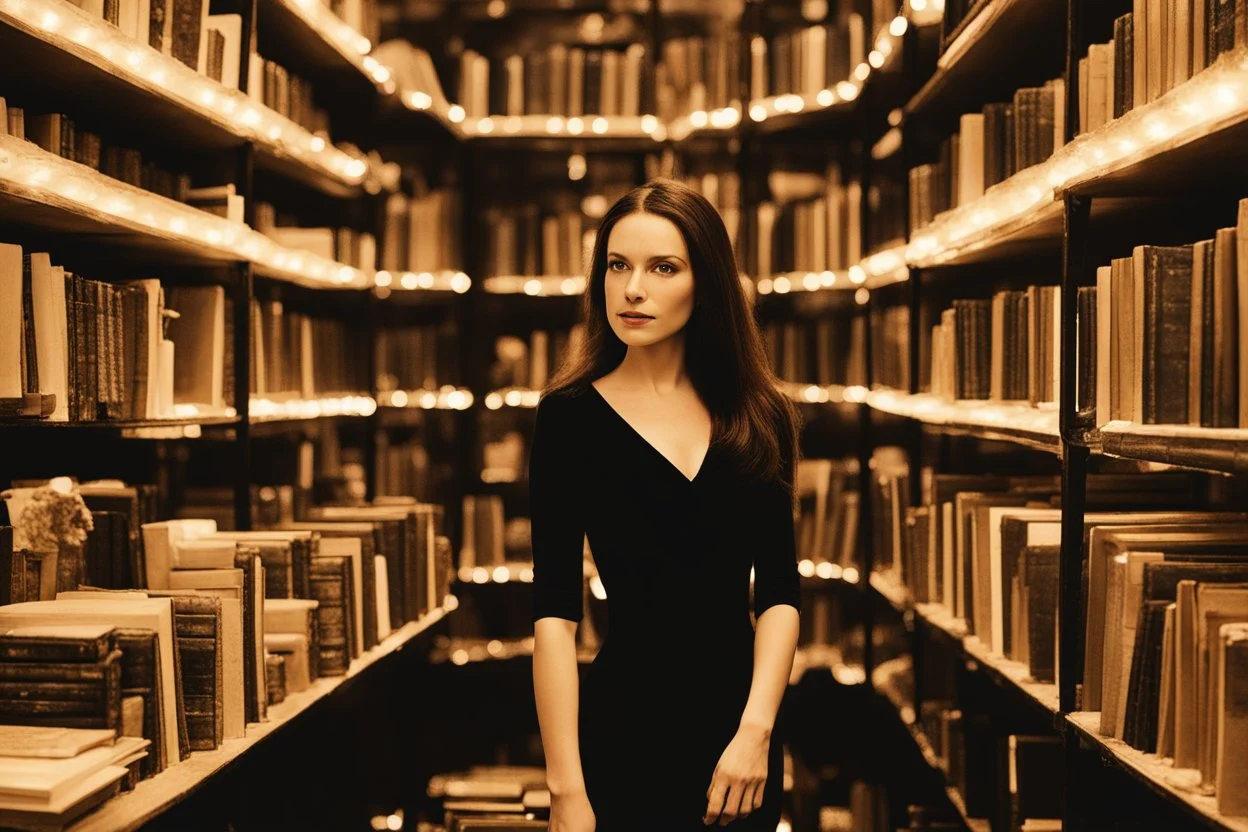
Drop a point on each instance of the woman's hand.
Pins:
(737, 785)
(571, 812)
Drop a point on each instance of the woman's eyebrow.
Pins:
(652, 259)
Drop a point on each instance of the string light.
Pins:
(1185, 112)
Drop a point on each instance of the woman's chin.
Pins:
(637, 337)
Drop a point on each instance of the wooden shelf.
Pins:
(825, 281)
(555, 132)
(803, 393)
(886, 266)
(512, 397)
(263, 410)
(98, 72)
(951, 240)
(1180, 787)
(723, 123)
(42, 192)
(156, 794)
(906, 715)
(309, 31)
(516, 572)
(1004, 672)
(989, 58)
(1019, 423)
(1165, 146)
(535, 285)
(1208, 449)
(444, 398)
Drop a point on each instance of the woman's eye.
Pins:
(615, 265)
(666, 268)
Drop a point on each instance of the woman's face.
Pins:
(649, 283)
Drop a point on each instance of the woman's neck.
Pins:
(658, 367)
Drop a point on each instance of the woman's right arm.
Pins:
(558, 534)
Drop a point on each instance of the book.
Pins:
(153, 614)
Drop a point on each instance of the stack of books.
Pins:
(51, 776)
(497, 798)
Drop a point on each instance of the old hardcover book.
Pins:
(53, 643)
(331, 584)
(256, 699)
(1167, 297)
(1232, 718)
(275, 678)
(62, 694)
(140, 676)
(155, 613)
(295, 617)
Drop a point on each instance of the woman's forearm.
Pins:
(556, 687)
(775, 640)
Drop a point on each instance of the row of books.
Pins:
(286, 94)
(808, 60)
(886, 207)
(423, 232)
(344, 245)
(822, 351)
(812, 223)
(403, 467)
(989, 147)
(558, 80)
(1029, 794)
(100, 351)
(182, 29)
(191, 670)
(1167, 611)
(305, 356)
(530, 364)
(1163, 334)
(698, 74)
(58, 134)
(984, 546)
(1155, 47)
(827, 522)
(417, 357)
(527, 241)
(1003, 348)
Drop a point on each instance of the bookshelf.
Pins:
(323, 40)
(156, 795)
(87, 62)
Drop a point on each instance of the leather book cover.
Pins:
(1167, 339)
(1232, 716)
(248, 560)
(1040, 587)
(140, 676)
(62, 694)
(330, 588)
(61, 648)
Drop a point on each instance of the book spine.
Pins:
(330, 590)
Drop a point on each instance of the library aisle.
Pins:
(282, 283)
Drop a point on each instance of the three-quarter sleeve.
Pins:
(776, 580)
(556, 514)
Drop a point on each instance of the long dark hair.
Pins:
(724, 354)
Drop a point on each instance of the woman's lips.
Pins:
(635, 319)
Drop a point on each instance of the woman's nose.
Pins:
(633, 289)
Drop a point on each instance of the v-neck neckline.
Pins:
(705, 457)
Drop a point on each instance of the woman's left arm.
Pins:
(737, 785)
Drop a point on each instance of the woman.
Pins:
(666, 442)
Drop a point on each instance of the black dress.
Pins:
(665, 694)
